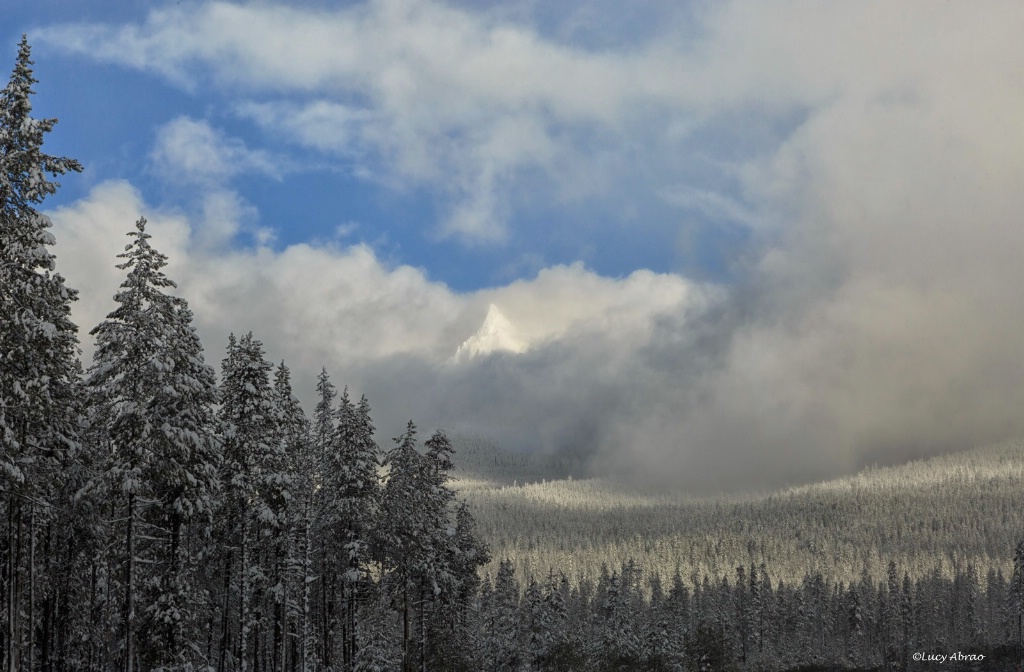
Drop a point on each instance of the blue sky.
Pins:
(739, 243)
(467, 204)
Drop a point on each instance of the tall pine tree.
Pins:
(39, 369)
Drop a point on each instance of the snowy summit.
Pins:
(496, 334)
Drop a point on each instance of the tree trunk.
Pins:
(243, 601)
(279, 620)
(209, 635)
(325, 613)
(46, 644)
(352, 648)
(4, 584)
(31, 586)
(225, 617)
(423, 628)
(304, 626)
(93, 616)
(406, 661)
(129, 600)
(13, 528)
(257, 649)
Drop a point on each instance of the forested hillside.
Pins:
(941, 513)
(860, 572)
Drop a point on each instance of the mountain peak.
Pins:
(496, 334)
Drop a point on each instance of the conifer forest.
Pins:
(163, 514)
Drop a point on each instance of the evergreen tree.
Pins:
(906, 619)
(320, 595)
(617, 645)
(471, 553)
(329, 521)
(563, 651)
(502, 651)
(893, 617)
(324, 428)
(293, 566)
(39, 370)
(677, 615)
(153, 400)
(256, 483)
(352, 490)
(739, 635)
(995, 599)
(346, 494)
(415, 538)
(401, 532)
(534, 627)
(855, 624)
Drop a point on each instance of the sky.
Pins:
(740, 244)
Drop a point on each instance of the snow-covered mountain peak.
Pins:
(496, 334)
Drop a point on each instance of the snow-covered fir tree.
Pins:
(39, 370)
(411, 522)
(616, 645)
(471, 553)
(152, 403)
(351, 491)
(378, 641)
(500, 645)
(256, 484)
(293, 565)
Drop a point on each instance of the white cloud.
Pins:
(322, 124)
(564, 298)
(418, 92)
(224, 213)
(187, 150)
(191, 154)
(340, 306)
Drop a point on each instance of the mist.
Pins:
(874, 315)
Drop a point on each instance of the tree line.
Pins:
(627, 620)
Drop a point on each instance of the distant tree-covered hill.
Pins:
(944, 512)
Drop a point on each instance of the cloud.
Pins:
(470, 105)
(879, 320)
(191, 155)
(322, 124)
(223, 215)
(192, 151)
(871, 151)
(386, 330)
